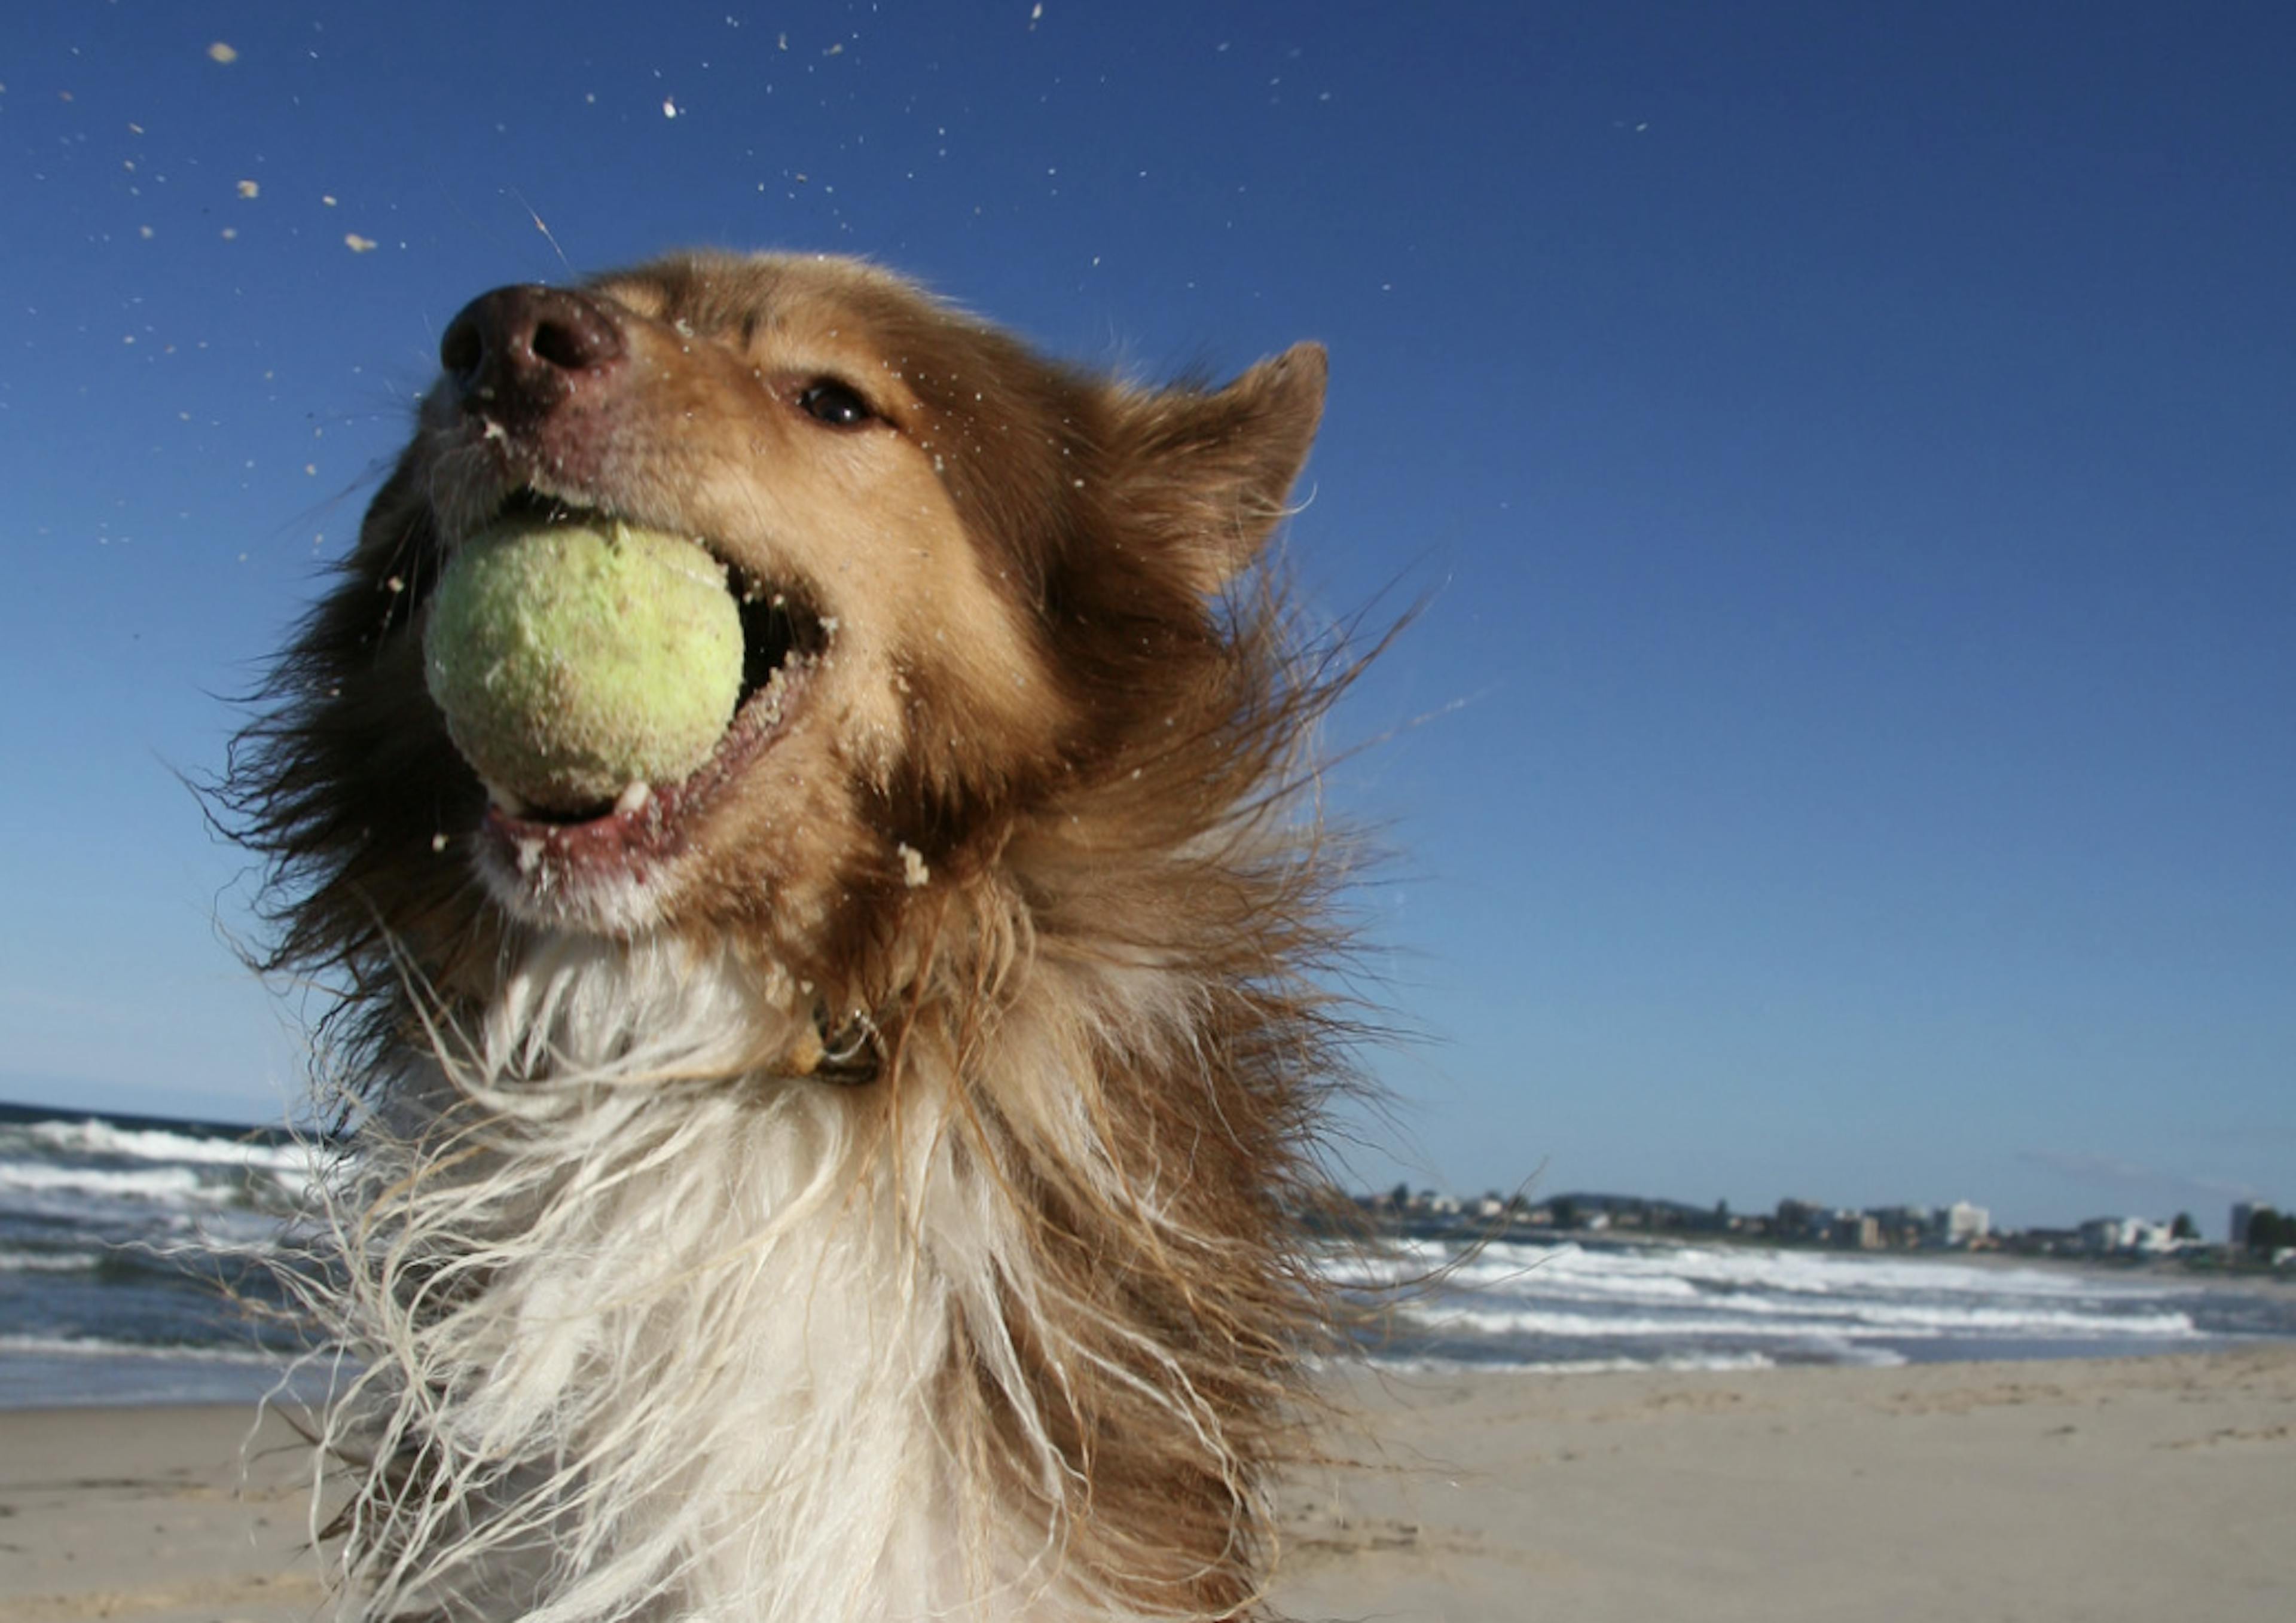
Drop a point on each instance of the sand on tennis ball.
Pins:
(573, 660)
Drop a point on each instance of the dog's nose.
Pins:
(515, 354)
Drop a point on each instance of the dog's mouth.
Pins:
(784, 638)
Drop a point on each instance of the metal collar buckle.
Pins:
(852, 1055)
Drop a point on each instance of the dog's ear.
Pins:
(1211, 468)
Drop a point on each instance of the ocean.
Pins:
(1586, 1304)
(129, 1259)
(131, 1255)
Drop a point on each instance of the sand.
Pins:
(2133, 1488)
(153, 1514)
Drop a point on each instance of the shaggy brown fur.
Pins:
(1034, 794)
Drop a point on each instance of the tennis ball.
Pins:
(573, 660)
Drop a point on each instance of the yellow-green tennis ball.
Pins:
(573, 662)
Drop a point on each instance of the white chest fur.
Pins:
(670, 1345)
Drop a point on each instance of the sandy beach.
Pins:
(2132, 1488)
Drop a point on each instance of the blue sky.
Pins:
(1845, 454)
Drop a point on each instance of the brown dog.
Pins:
(860, 1178)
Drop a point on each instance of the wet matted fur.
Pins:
(863, 1180)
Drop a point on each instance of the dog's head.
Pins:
(974, 583)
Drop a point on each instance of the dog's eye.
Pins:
(835, 404)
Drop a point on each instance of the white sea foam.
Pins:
(50, 1262)
(178, 1185)
(1681, 1269)
(97, 1171)
(1568, 1305)
(92, 1137)
(90, 1346)
(1775, 1324)
(1689, 1362)
(155, 1183)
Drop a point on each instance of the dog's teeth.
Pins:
(506, 799)
(632, 800)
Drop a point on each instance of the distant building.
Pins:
(2148, 1238)
(2127, 1236)
(1964, 1223)
(1854, 1231)
(1958, 1224)
(2242, 1212)
(1798, 1220)
(1903, 1227)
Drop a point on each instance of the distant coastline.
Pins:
(116, 1230)
(1960, 1230)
